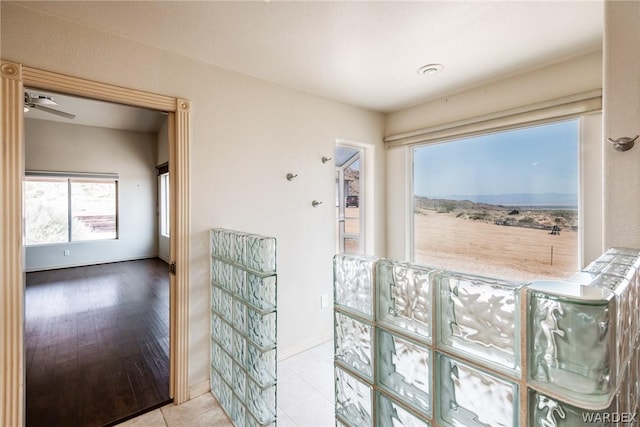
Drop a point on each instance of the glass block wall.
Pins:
(243, 326)
(420, 346)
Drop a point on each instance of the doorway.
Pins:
(14, 78)
(96, 295)
(349, 199)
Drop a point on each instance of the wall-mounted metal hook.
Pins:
(290, 176)
(315, 203)
(325, 159)
(623, 144)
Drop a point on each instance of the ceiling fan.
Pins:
(41, 102)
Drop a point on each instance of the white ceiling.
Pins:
(363, 53)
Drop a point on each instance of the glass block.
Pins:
(404, 297)
(216, 297)
(226, 337)
(469, 397)
(239, 381)
(547, 412)
(624, 390)
(238, 411)
(634, 376)
(224, 244)
(214, 237)
(216, 326)
(391, 414)
(612, 269)
(226, 367)
(261, 328)
(353, 399)
(261, 291)
(353, 282)
(216, 356)
(216, 383)
(353, 344)
(239, 248)
(216, 267)
(225, 397)
(572, 340)
(239, 348)
(239, 315)
(240, 283)
(261, 365)
(481, 317)
(625, 312)
(252, 422)
(624, 251)
(404, 369)
(226, 306)
(226, 276)
(261, 402)
(617, 258)
(236, 363)
(261, 254)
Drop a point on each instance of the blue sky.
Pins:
(539, 159)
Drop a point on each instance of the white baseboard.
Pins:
(85, 264)
(199, 389)
(299, 348)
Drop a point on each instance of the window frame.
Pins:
(589, 159)
(164, 204)
(340, 197)
(70, 178)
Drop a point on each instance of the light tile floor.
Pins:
(305, 397)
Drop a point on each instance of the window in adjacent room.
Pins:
(164, 204)
(349, 199)
(502, 204)
(61, 209)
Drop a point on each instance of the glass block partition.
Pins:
(421, 346)
(243, 326)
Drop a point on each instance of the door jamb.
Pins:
(14, 77)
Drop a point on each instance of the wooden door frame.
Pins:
(14, 77)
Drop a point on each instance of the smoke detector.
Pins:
(429, 69)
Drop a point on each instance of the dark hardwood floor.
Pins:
(96, 343)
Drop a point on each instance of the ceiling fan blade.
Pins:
(52, 111)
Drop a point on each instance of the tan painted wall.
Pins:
(622, 118)
(246, 136)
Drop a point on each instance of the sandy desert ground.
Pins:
(478, 247)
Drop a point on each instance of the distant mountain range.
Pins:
(518, 199)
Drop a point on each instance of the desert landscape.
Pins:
(498, 241)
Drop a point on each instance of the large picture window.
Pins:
(502, 204)
(62, 209)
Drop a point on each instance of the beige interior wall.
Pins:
(621, 98)
(246, 136)
(575, 75)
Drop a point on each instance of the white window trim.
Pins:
(164, 199)
(366, 192)
(590, 198)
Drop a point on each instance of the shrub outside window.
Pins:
(64, 209)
